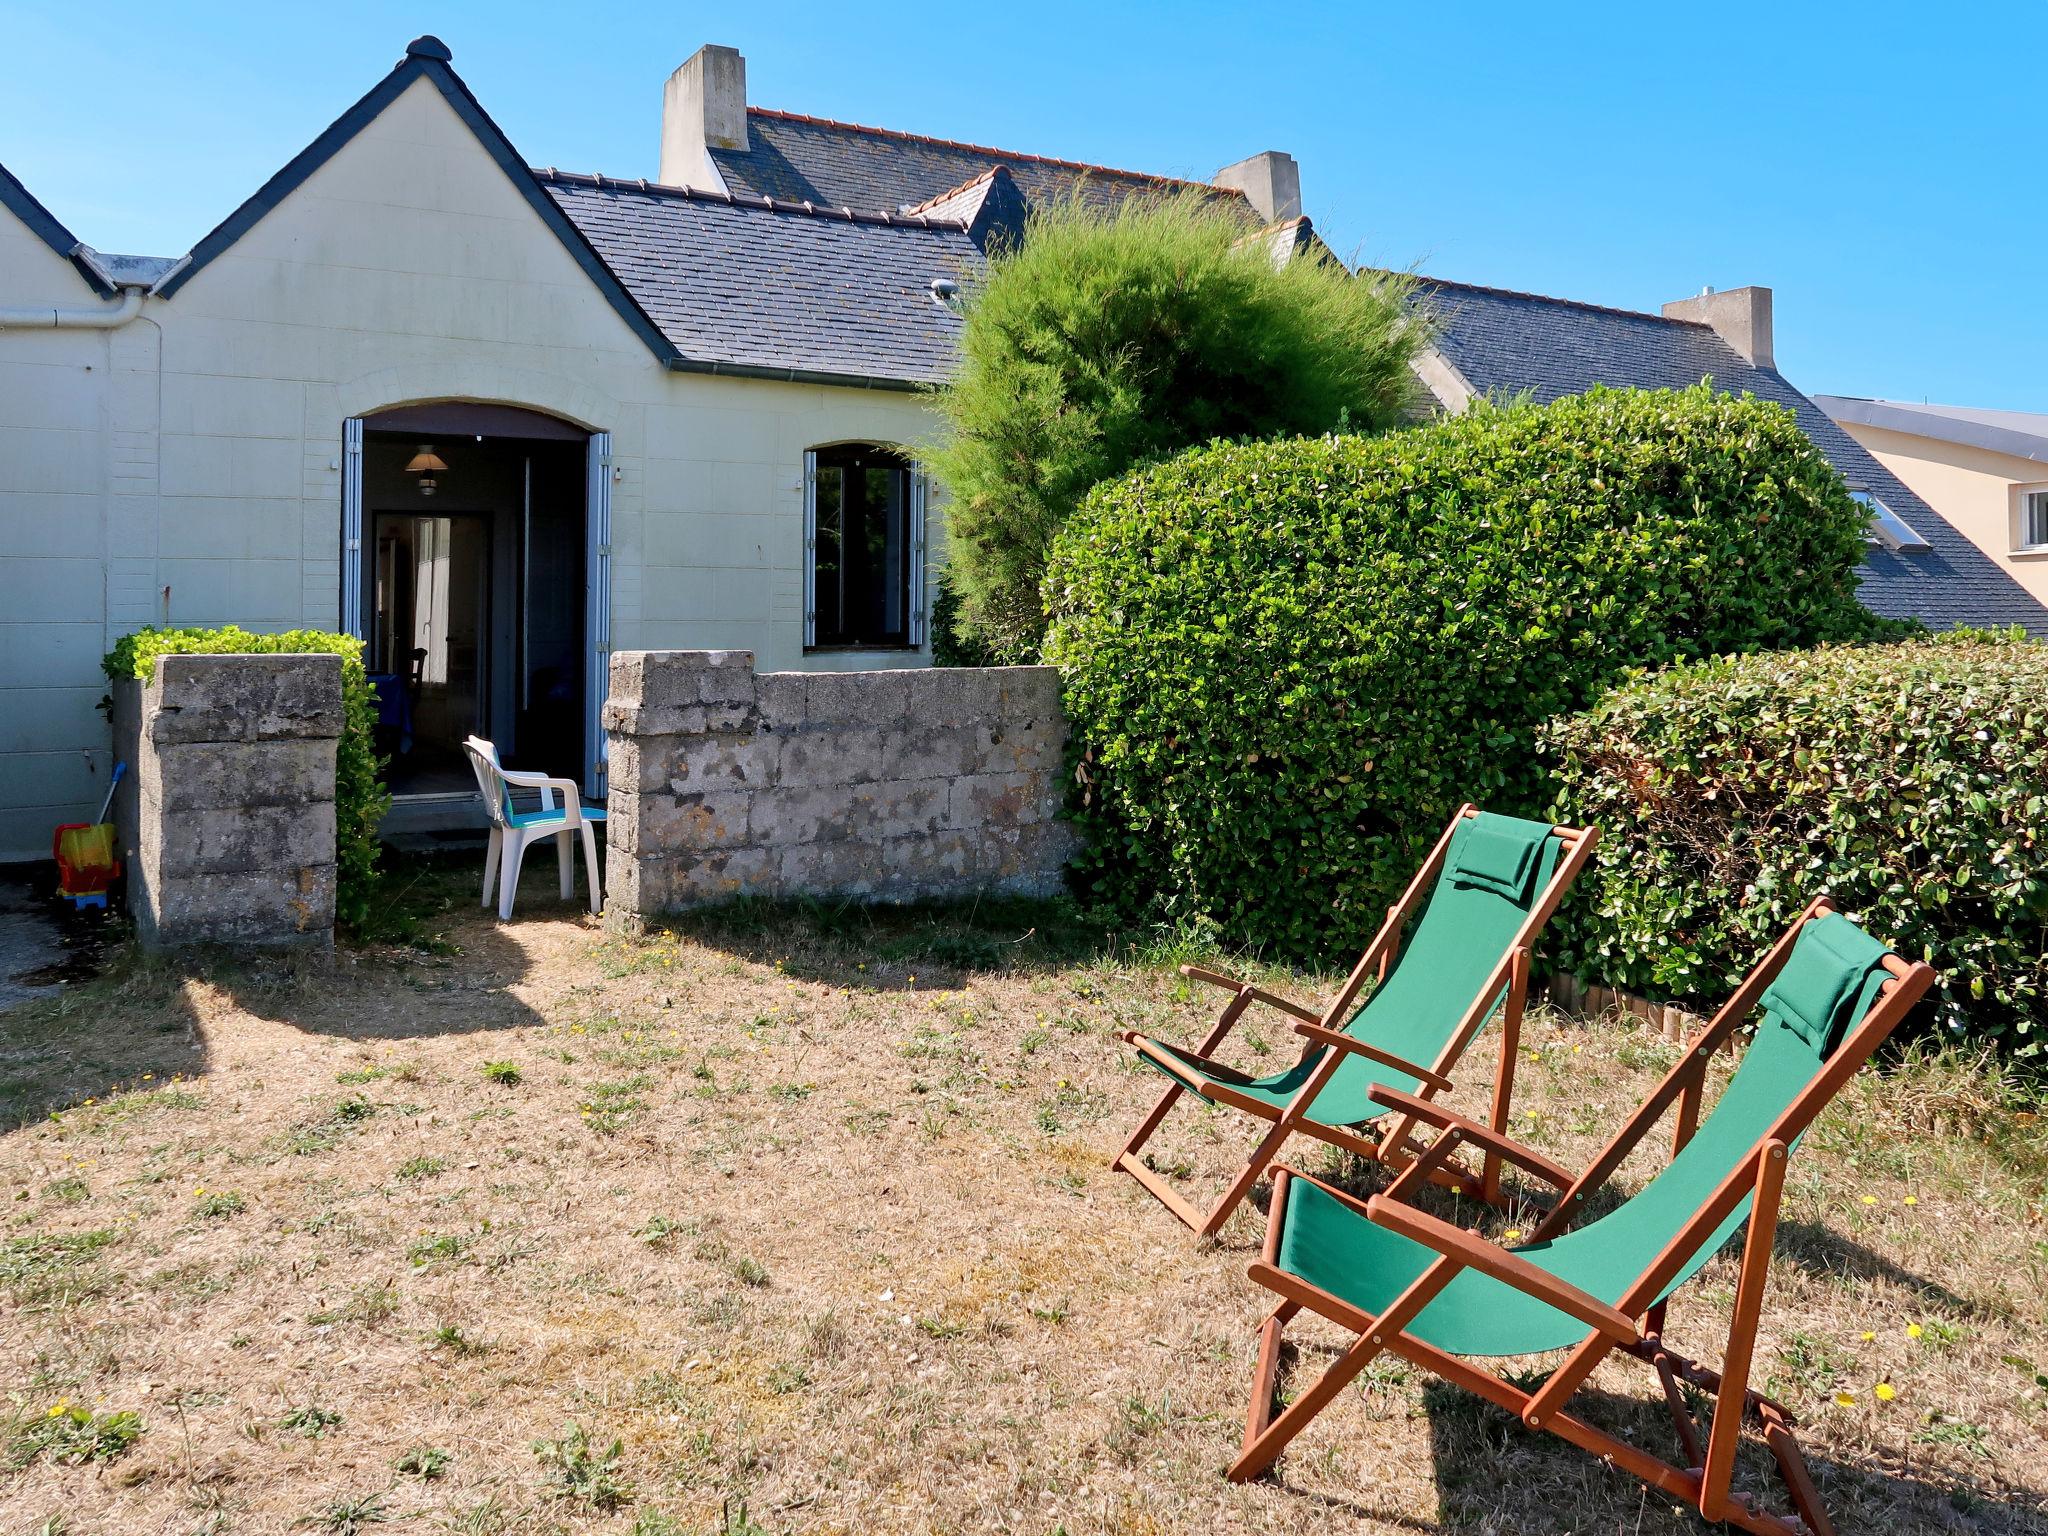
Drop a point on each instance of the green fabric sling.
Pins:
(1494, 873)
(1829, 982)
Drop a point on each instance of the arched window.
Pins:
(864, 516)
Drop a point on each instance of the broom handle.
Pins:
(112, 784)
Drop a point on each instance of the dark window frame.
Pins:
(853, 579)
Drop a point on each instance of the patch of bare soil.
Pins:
(811, 1214)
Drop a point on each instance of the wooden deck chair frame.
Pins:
(1705, 1481)
(1324, 1030)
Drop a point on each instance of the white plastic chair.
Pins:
(513, 830)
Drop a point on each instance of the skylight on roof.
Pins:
(1886, 526)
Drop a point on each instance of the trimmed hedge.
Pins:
(1909, 781)
(360, 799)
(1286, 663)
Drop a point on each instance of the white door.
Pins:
(597, 628)
(352, 527)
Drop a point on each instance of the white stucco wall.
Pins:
(1975, 489)
(186, 468)
(55, 457)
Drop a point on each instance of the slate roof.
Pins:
(794, 158)
(1504, 341)
(748, 286)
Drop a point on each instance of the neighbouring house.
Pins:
(498, 420)
(1984, 471)
(1926, 561)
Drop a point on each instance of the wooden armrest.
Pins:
(1508, 1268)
(1525, 1158)
(1148, 1047)
(1343, 1042)
(1246, 989)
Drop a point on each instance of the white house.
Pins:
(495, 420)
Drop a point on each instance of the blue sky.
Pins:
(1869, 163)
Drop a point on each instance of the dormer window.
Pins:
(1887, 528)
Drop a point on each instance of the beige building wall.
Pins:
(1975, 489)
(186, 468)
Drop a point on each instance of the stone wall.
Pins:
(891, 786)
(229, 829)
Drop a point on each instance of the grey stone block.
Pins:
(790, 815)
(246, 839)
(690, 823)
(831, 869)
(780, 698)
(200, 775)
(814, 757)
(713, 762)
(936, 863)
(996, 800)
(725, 677)
(245, 698)
(1029, 693)
(956, 695)
(889, 809)
(273, 907)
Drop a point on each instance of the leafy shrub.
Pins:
(1286, 663)
(1108, 338)
(360, 799)
(1908, 781)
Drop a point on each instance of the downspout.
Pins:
(48, 317)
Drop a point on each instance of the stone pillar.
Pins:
(233, 821)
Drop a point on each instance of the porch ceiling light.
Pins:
(426, 464)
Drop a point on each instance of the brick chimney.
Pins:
(1741, 317)
(703, 107)
(1270, 181)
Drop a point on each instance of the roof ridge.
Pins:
(952, 192)
(986, 149)
(1549, 298)
(841, 215)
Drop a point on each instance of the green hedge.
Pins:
(1909, 781)
(360, 799)
(1287, 662)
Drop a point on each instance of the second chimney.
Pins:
(703, 107)
(1741, 317)
(1270, 182)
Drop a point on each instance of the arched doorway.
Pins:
(475, 568)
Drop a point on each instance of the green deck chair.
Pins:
(1492, 883)
(1427, 1290)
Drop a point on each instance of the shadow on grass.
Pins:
(142, 1024)
(898, 948)
(1822, 1251)
(1487, 1465)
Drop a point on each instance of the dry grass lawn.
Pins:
(809, 1213)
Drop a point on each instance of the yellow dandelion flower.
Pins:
(1870, 1199)
(1885, 1392)
(1914, 1330)
(1867, 1336)
(1912, 1200)
(1844, 1400)
(1511, 1235)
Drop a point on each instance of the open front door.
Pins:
(597, 568)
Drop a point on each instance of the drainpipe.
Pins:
(42, 316)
